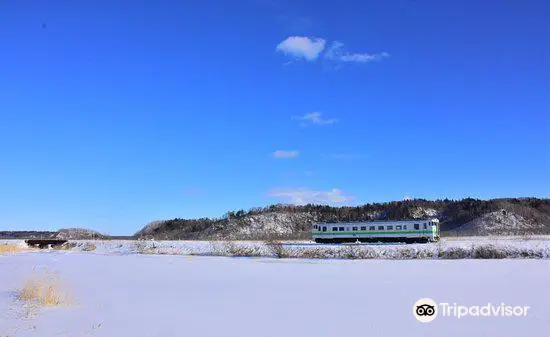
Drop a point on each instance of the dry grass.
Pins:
(277, 249)
(242, 250)
(10, 248)
(453, 253)
(45, 289)
(144, 247)
(490, 251)
(88, 247)
(65, 246)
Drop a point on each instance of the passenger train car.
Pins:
(377, 231)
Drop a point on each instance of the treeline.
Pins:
(451, 213)
(27, 234)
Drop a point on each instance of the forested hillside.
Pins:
(469, 216)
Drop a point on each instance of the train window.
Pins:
(425, 227)
(371, 228)
(380, 228)
(334, 229)
(398, 227)
(315, 227)
(416, 226)
(363, 228)
(324, 228)
(354, 228)
(390, 228)
(404, 226)
(341, 229)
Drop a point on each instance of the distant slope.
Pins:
(63, 234)
(78, 234)
(26, 234)
(501, 222)
(468, 216)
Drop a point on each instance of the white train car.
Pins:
(426, 230)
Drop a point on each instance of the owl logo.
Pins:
(425, 310)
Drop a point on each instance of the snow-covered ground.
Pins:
(174, 295)
(461, 247)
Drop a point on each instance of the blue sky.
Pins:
(117, 113)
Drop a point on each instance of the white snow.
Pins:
(153, 295)
(513, 246)
(501, 222)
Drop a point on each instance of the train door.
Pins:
(435, 231)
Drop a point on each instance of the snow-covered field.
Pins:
(447, 248)
(118, 293)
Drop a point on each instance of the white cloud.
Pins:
(302, 47)
(363, 57)
(302, 196)
(315, 118)
(336, 52)
(280, 154)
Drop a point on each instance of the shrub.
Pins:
(88, 247)
(233, 249)
(144, 247)
(10, 248)
(277, 249)
(406, 254)
(488, 252)
(452, 253)
(65, 246)
(315, 253)
(353, 252)
(44, 289)
(530, 253)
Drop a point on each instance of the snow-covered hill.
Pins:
(502, 222)
(467, 216)
(78, 234)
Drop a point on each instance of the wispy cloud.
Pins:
(363, 57)
(302, 47)
(314, 118)
(302, 196)
(337, 53)
(298, 47)
(280, 154)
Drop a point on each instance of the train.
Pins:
(408, 231)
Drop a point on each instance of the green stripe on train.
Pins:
(373, 233)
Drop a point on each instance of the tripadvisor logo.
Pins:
(426, 310)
